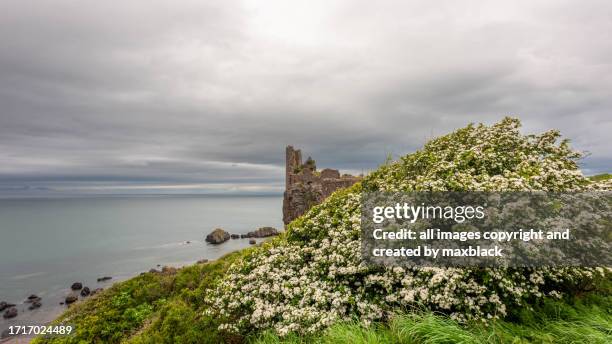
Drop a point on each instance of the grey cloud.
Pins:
(199, 92)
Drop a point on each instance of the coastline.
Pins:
(55, 310)
(119, 237)
(48, 244)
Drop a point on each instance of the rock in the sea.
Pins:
(235, 236)
(252, 242)
(85, 291)
(244, 236)
(263, 232)
(76, 286)
(37, 299)
(5, 305)
(33, 296)
(218, 236)
(10, 313)
(71, 299)
(103, 279)
(34, 305)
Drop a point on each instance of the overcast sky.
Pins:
(184, 96)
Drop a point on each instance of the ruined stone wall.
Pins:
(305, 186)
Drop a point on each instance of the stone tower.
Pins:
(293, 160)
(305, 186)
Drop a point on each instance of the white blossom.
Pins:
(314, 275)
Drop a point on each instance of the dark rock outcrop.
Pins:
(10, 313)
(169, 270)
(104, 279)
(71, 299)
(36, 299)
(252, 242)
(263, 232)
(34, 305)
(76, 286)
(235, 236)
(85, 291)
(217, 236)
(5, 305)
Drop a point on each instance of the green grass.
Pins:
(587, 319)
(168, 308)
(150, 308)
(601, 177)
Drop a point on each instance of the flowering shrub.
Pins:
(314, 276)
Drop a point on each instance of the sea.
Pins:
(46, 244)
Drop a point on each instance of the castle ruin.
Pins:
(306, 187)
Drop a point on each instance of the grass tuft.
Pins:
(584, 320)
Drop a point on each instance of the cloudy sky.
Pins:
(203, 96)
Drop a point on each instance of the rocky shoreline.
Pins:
(219, 235)
(78, 291)
(9, 310)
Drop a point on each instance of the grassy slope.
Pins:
(167, 308)
(601, 177)
(150, 308)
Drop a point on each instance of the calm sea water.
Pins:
(47, 244)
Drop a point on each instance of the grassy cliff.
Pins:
(154, 307)
(309, 284)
